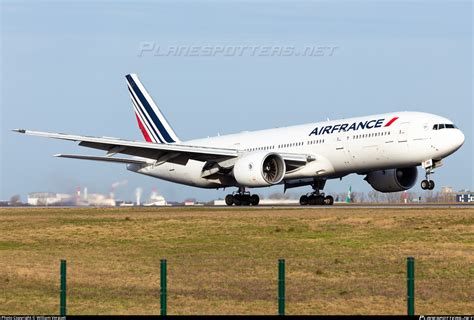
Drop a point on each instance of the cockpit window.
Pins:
(440, 126)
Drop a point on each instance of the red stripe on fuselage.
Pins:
(142, 129)
(391, 121)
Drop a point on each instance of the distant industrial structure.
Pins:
(156, 200)
(83, 198)
(49, 199)
(465, 197)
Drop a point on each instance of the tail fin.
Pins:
(151, 121)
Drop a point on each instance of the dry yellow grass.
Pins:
(339, 261)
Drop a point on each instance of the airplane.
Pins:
(385, 148)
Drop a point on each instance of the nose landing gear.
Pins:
(428, 184)
(242, 198)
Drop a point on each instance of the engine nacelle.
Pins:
(393, 180)
(259, 169)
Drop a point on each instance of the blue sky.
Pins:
(63, 68)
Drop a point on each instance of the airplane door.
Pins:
(343, 153)
(403, 135)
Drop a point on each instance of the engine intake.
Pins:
(393, 180)
(259, 169)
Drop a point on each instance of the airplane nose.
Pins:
(458, 138)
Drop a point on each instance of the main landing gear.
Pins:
(242, 198)
(428, 184)
(317, 198)
(314, 199)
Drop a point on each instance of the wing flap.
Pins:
(105, 159)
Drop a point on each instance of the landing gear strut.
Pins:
(242, 198)
(428, 184)
(316, 197)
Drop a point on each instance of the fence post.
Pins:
(163, 287)
(62, 294)
(281, 287)
(411, 286)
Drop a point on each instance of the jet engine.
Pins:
(392, 180)
(259, 169)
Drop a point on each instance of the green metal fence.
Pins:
(411, 286)
(281, 287)
(163, 288)
(62, 292)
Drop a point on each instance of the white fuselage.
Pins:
(340, 147)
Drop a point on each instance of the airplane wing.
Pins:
(157, 152)
(148, 150)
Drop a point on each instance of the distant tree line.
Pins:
(379, 197)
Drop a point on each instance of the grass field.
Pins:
(338, 261)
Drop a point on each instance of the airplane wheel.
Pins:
(304, 200)
(237, 200)
(425, 184)
(229, 199)
(320, 200)
(431, 185)
(316, 200)
(254, 200)
(329, 201)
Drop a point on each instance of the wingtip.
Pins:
(19, 130)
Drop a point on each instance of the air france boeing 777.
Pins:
(385, 148)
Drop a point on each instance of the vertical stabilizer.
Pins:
(152, 123)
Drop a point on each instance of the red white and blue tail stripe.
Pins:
(151, 121)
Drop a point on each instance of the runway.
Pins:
(277, 206)
(345, 206)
